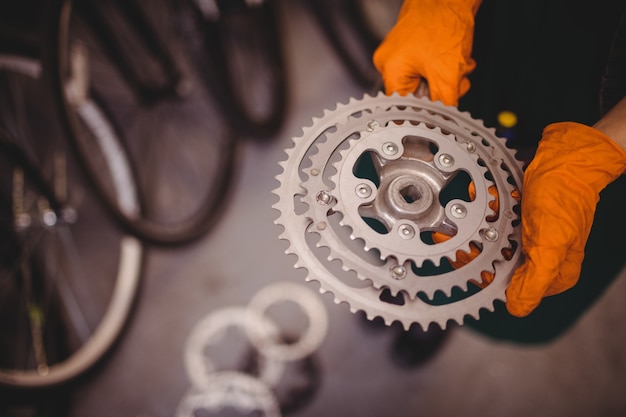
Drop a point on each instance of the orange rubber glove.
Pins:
(432, 39)
(561, 188)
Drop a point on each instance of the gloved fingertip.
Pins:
(524, 294)
(520, 309)
(442, 89)
(568, 275)
(404, 87)
(449, 99)
(446, 100)
(464, 86)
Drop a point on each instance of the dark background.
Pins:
(543, 60)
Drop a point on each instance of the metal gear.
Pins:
(378, 189)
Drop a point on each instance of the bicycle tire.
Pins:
(74, 319)
(341, 22)
(183, 189)
(237, 48)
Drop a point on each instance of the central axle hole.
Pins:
(410, 194)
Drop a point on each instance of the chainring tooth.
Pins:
(320, 169)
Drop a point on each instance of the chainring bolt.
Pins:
(398, 272)
(324, 198)
(491, 234)
(470, 146)
(446, 160)
(363, 190)
(406, 231)
(390, 148)
(315, 172)
(459, 211)
(371, 125)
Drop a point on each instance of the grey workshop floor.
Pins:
(581, 373)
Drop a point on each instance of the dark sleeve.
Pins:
(613, 86)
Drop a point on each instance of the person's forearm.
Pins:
(613, 124)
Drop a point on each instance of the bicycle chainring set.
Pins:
(403, 208)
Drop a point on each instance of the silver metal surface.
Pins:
(380, 225)
(310, 304)
(215, 388)
(210, 331)
(242, 392)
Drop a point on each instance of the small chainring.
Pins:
(403, 208)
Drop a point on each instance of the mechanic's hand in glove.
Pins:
(431, 40)
(560, 191)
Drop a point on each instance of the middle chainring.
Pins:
(403, 208)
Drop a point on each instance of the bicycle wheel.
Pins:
(342, 23)
(115, 75)
(62, 303)
(237, 47)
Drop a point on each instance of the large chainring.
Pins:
(383, 199)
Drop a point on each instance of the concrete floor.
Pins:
(580, 373)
